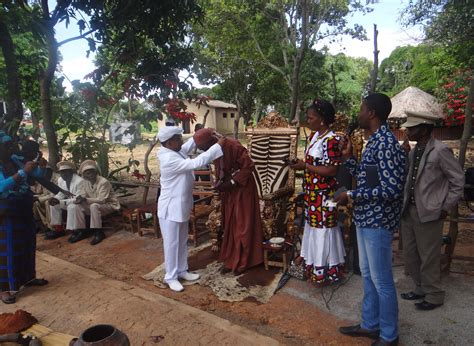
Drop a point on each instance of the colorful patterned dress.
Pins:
(17, 233)
(322, 247)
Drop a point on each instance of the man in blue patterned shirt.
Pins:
(377, 202)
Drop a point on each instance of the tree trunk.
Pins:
(147, 169)
(205, 118)
(14, 103)
(295, 86)
(46, 78)
(375, 71)
(466, 135)
(334, 86)
(36, 126)
(295, 77)
(237, 117)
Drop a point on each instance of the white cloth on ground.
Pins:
(322, 247)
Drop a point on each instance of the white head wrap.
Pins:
(167, 132)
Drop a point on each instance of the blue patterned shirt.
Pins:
(380, 177)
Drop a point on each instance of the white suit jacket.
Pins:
(76, 188)
(101, 192)
(177, 179)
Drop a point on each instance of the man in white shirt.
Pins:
(99, 200)
(73, 187)
(176, 199)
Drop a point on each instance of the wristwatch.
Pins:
(22, 173)
(349, 195)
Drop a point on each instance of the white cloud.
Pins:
(76, 68)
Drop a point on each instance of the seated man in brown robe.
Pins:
(241, 246)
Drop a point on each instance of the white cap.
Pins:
(167, 132)
(64, 165)
(87, 164)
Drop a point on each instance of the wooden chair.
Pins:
(136, 218)
(202, 194)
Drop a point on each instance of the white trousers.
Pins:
(175, 246)
(76, 214)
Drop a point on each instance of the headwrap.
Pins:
(4, 138)
(63, 165)
(167, 132)
(87, 164)
(203, 136)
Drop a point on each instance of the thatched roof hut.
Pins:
(413, 99)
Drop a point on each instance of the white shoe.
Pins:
(189, 276)
(175, 285)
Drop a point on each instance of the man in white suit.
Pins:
(176, 199)
(72, 186)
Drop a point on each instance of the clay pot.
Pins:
(102, 335)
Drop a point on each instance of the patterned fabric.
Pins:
(379, 206)
(320, 276)
(268, 154)
(322, 151)
(17, 242)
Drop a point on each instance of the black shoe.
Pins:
(359, 331)
(382, 342)
(412, 296)
(78, 235)
(426, 306)
(50, 235)
(98, 237)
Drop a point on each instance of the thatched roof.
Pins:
(414, 99)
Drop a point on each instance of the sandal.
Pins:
(37, 282)
(8, 299)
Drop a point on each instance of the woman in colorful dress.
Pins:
(322, 247)
(17, 228)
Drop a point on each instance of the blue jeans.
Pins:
(380, 306)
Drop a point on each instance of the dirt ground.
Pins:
(126, 257)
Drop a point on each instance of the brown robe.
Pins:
(242, 239)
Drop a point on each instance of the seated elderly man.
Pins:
(68, 199)
(99, 200)
(41, 200)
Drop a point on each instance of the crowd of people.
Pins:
(33, 198)
(398, 188)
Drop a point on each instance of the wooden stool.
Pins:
(269, 251)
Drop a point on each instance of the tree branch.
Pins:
(76, 37)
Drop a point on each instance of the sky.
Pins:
(75, 64)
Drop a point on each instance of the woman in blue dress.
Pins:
(17, 229)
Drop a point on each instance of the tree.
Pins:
(131, 27)
(447, 23)
(422, 66)
(277, 34)
(15, 109)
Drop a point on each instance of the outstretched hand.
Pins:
(298, 164)
(345, 145)
(224, 186)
